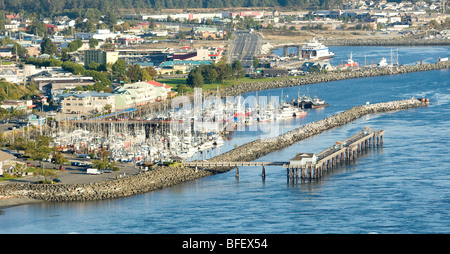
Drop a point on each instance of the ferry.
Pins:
(315, 50)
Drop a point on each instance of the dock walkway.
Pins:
(314, 166)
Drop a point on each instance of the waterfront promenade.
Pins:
(166, 176)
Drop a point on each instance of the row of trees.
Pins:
(57, 6)
(219, 72)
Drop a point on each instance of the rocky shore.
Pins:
(331, 76)
(386, 42)
(163, 177)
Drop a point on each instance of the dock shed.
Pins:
(301, 159)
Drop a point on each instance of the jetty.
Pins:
(310, 165)
(165, 176)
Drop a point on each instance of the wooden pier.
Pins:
(309, 165)
(336, 155)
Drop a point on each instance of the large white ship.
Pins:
(315, 50)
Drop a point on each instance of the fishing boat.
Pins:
(350, 62)
(318, 103)
(288, 111)
(383, 63)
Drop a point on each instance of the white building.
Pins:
(140, 93)
(301, 159)
(86, 103)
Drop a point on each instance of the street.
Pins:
(246, 46)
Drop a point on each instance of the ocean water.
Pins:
(401, 187)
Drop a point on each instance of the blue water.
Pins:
(403, 187)
(369, 55)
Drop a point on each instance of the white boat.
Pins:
(383, 63)
(287, 111)
(315, 50)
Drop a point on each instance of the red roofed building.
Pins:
(162, 90)
(51, 28)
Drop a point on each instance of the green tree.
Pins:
(134, 72)
(209, 73)
(60, 159)
(238, 69)
(195, 78)
(223, 71)
(119, 68)
(48, 47)
(93, 43)
(255, 62)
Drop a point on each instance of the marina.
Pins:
(155, 138)
(375, 194)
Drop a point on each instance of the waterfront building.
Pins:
(100, 56)
(86, 103)
(300, 159)
(6, 161)
(140, 93)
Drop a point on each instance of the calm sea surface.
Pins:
(403, 187)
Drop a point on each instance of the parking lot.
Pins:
(77, 174)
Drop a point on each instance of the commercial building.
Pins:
(100, 56)
(201, 54)
(87, 103)
(140, 93)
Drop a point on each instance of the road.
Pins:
(246, 46)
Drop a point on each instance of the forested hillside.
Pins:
(47, 7)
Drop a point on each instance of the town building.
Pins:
(26, 105)
(201, 54)
(140, 93)
(6, 52)
(100, 56)
(301, 159)
(35, 120)
(86, 103)
(6, 162)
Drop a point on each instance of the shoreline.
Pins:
(6, 202)
(255, 86)
(166, 176)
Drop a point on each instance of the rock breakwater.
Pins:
(159, 178)
(255, 149)
(247, 87)
(163, 177)
(386, 42)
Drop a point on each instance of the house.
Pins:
(6, 52)
(301, 159)
(6, 162)
(51, 28)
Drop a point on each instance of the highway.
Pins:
(246, 46)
